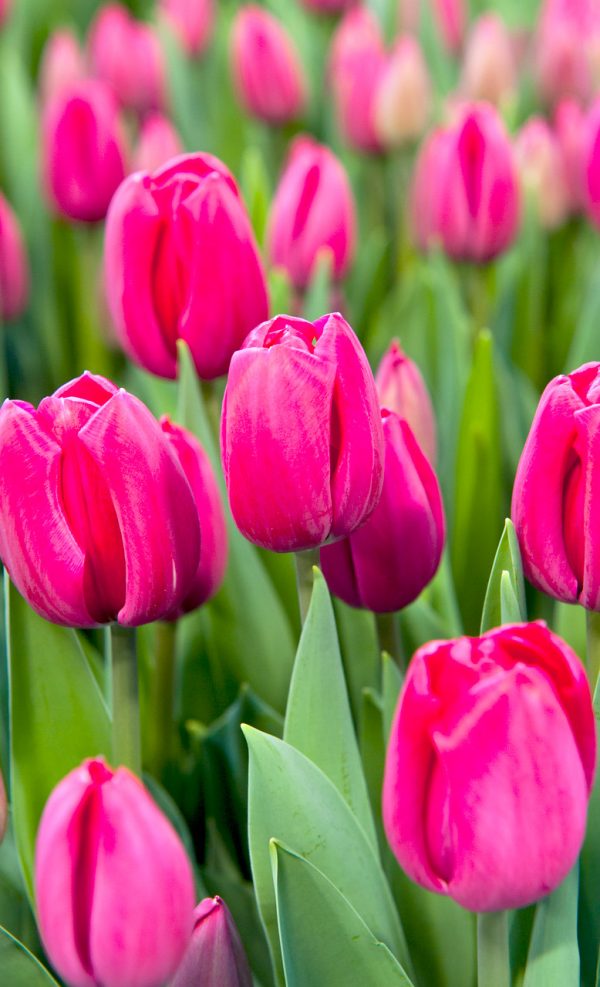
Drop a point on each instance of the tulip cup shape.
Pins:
(357, 63)
(313, 209)
(181, 262)
(556, 496)
(541, 167)
(113, 884)
(98, 521)
(215, 956)
(401, 388)
(465, 191)
(62, 64)
(389, 560)
(126, 54)
(301, 435)
(158, 142)
(489, 69)
(193, 21)
(403, 96)
(490, 766)
(14, 267)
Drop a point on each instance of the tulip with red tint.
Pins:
(465, 192)
(215, 956)
(5, 8)
(556, 496)
(193, 22)
(567, 52)
(389, 560)
(301, 435)
(569, 126)
(356, 64)
(313, 209)
(403, 96)
(83, 150)
(126, 54)
(267, 71)
(98, 521)
(590, 155)
(113, 884)
(489, 69)
(401, 388)
(490, 766)
(540, 165)
(158, 142)
(181, 262)
(14, 267)
(62, 64)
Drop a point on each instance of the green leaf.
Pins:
(505, 595)
(317, 301)
(318, 720)
(323, 938)
(359, 644)
(19, 967)
(16, 915)
(58, 716)
(392, 680)
(255, 184)
(372, 749)
(553, 958)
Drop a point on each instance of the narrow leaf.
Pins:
(19, 967)
(507, 560)
(553, 959)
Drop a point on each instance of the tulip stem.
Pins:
(593, 647)
(304, 578)
(493, 963)
(125, 705)
(163, 696)
(389, 638)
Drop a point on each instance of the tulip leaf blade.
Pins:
(323, 938)
(505, 594)
(20, 968)
(553, 958)
(317, 299)
(392, 681)
(318, 720)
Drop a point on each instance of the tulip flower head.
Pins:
(62, 64)
(570, 128)
(541, 167)
(193, 21)
(490, 766)
(356, 64)
(489, 67)
(215, 956)
(401, 388)
(126, 54)
(158, 142)
(567, 53)
(590, 164)
(403, 95)
(14, 267)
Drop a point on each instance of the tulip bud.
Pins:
(566, 51)
(215, 956)
(401, 388)
(106, 526)
(389, 560)
(490, 766)
(313, 209)
(181, 262)
(541, 168)
(62, 65)
(465, 190)
(356, 65)
(113, 884)
(14, 268)
(192, 21)
(569, 125)
(403, 95)
(83, 150)
(301, 435)
(590, 155)
(126, 54)
(267, 70)
(489, 69)
(450, 17)
(158, 142)
(556, 496)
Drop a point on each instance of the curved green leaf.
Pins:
(505, 595)
(553, 958)
(19, 967)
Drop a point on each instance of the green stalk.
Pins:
(304, 578)
(493, 964)
(163, 697)
(387, 632)
(125, 703)
(593, 647)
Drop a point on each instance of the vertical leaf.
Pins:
(553, 959)
(505, 594)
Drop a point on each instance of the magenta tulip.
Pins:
(465, 191)
(590, 164)
(14, 267)
(401, 388)
(97, 519)
(126, 55)
(181, 262)
(5, 9)
(566, 51)
(62, 64)
(215, 957)
(403, 97)
(158, 142)
(301, 435)
(313, 210)
(356, 65)
(113, 884)
(193, 22)
(490, 766)
(541, 167)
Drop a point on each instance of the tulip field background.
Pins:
(275, 790)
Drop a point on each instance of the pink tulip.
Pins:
(489, 69)
(83, 150)
(451, 19)
(313, 209)
(181, 262)
(401, 388)
(465, 190)
(158, 142)
(126, 54)
(193, 21)
(569, 125)
(541, 167)
(389, 560)
(329, 6)
(402, 101)
(62, 65)
(590, 160)
(5, 9)
(490, 766)
(14, 267)
(567, 54)
(556, 496)
(97, 519)
(356, 65)
(301, 435)
(267, 71)
(215, 957)
(113, 884)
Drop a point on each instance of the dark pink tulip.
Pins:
(83, 150)
(490, 766)
(62, 64)
(181, 262)
(569, 125)
(313, 209)
(590, 155)
(356, 64)
(567, 47)
(489, 70)
(193, 21)
(301, 435)
(97, 519)
(389, 560)
(556, 496)
(126, 54)
(403, 95)
(540, 164)
(158, 142)
(14, 267)
(401, 388)
(215, 957)
(113, 884)
(465, 191)
(267, 71)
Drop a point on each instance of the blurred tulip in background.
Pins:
(403, 97)
(489, 70)
(193, 21)
(542, 170)
(126, 54)
(157, 143)
(401, 388)
(570, 129)
(357, 60)
(62, 64)
(14, 266)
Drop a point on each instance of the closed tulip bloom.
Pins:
(193, 21)
(465, 190)
(267, 71)
(126, 54)
(569, 126)
(389, 560)
(62, 64)
(83, 150)
(401, 388)
(215, 956)
(590, 155)
(567, 50)
(489, 70)
(556, 496)
(541, 168)
(356, 64)
(158, 142)
(14, 267)
(301, 435)
(181, 262)
(113, 884)
(403, 96)
(97, 519)
(313, 209)
(490, 766)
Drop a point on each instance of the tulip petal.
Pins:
(588, 425)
